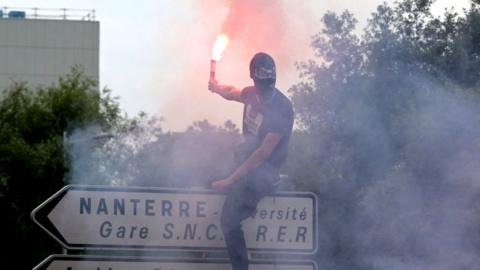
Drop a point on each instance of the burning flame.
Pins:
(219, 46)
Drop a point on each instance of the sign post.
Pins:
(99, 217)
(158, 219)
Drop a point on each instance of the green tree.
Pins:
(389, 122)
(33, 160)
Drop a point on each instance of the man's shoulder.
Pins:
(283, 101)
(248, 93)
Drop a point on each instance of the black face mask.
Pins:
(264, 84)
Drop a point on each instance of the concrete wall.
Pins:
(39, 51)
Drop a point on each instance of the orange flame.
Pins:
(219, 46)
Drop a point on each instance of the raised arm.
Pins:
(226, 91)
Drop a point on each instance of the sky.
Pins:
(155, 54)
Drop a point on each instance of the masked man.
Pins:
(267, 126)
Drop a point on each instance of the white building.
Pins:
(39, 45)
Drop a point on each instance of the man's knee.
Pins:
(229, 223)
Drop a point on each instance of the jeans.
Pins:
(240, 203)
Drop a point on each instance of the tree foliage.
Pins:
(389, 132)
(33, 161)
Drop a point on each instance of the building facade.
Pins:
(38, 46)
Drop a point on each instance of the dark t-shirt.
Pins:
(260, 118)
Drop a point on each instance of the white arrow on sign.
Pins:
(100, 217)
(70, 262)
